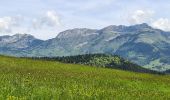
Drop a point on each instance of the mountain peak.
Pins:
(76, 32)
(143, 25)
(114, 28)
(123, 28)
(22, 35)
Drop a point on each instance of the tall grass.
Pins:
(24, 79)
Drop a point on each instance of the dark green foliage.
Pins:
(101, 60)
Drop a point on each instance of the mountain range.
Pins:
(141, 44)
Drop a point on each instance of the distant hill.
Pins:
(101, 60)
(18, 44)
(167, 72)
(139, 43)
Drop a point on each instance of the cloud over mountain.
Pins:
(162, 23)
(7, 23)
(140, 16)
(49, 19)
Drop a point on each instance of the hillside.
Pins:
(140, 44)
(101, 60)
(35, 79)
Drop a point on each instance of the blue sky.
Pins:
(46, 18)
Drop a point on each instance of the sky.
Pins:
(44, 19)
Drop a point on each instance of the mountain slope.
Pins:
(140, 44)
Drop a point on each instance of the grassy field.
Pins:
(23, 79)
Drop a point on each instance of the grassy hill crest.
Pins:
(101, 60)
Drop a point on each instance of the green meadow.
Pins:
(26, 79)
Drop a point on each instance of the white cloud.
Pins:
(40, 26)
(8, 23)
(146, 16)
(140, 16)
(50, 19)
(5, 24)
(162, 23)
